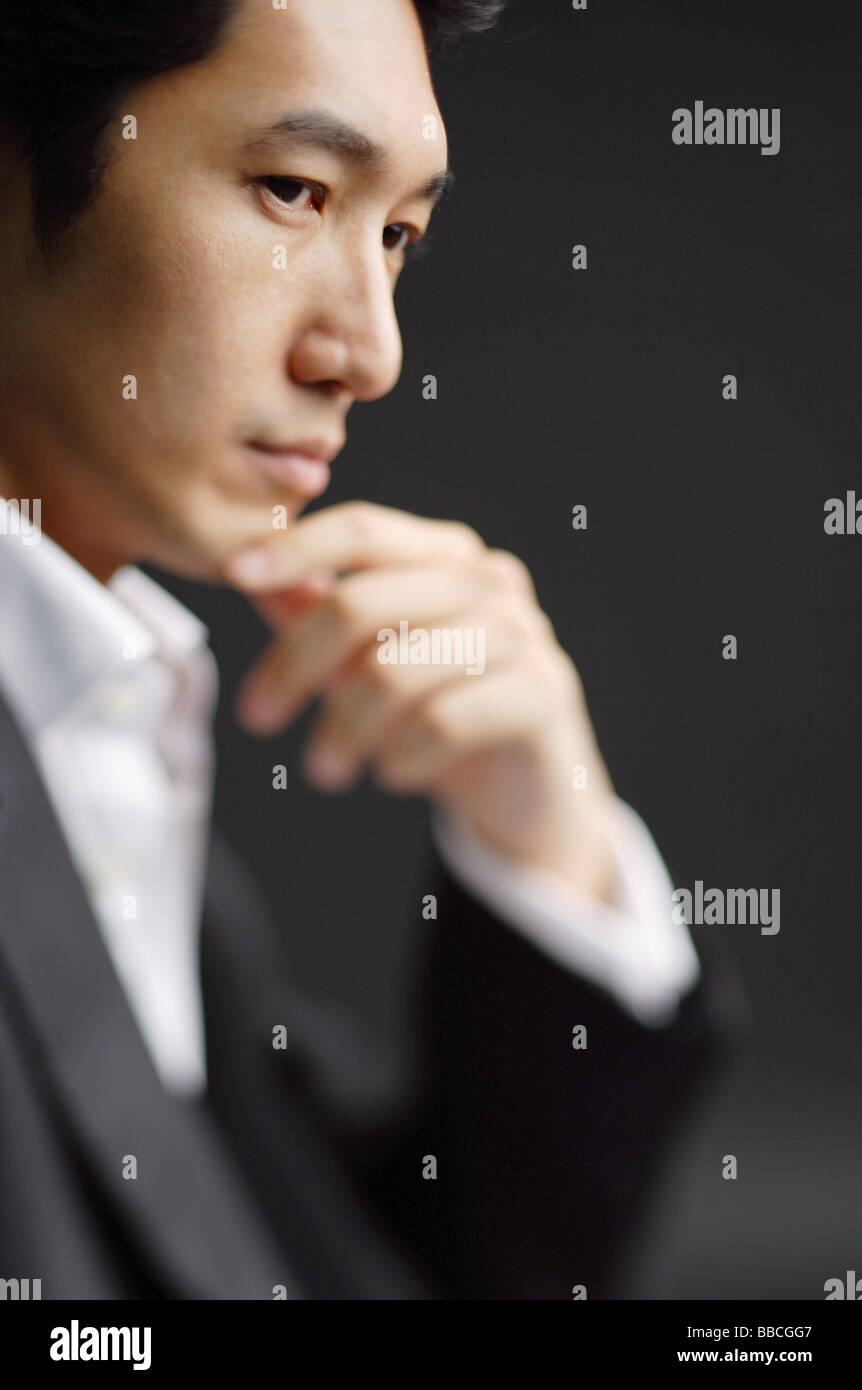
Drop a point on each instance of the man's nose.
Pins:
(351, 339)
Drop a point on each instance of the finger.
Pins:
(284, 607)
(359, 610)
(367, 707)
(356, 720)
(511, 571)
(351, 535)
(464, 719)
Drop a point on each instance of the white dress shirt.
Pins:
(114, 687)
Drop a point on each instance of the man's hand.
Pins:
(497, 746)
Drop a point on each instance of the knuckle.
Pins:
(544, 627)
(346, 606)
(511, 568)
(463, 537)
(526, 623)
(436, 724)
(362, 518)
(521, 621)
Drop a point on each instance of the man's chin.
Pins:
(202, 554)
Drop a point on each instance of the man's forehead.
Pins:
(350, 76)
(344, 42)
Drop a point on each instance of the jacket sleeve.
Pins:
(517, 1163)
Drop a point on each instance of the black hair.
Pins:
(65, 65)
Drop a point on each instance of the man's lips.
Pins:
(304, 468)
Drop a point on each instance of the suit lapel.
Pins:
(188, 1210)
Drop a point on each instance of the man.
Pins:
(205, 210)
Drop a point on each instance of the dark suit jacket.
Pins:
(294, 1175)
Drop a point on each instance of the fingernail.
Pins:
(249, 566)
(260, 711)
(328, 768)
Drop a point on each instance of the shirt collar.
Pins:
(63, 633)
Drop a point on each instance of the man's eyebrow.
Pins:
(323, 130)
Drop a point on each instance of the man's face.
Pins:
(245, 283)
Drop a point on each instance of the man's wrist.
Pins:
(589, 866)
(581, 858)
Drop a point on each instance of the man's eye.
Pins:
(300, 195)
(397, 237)
(289, 192)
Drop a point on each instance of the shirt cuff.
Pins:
(633, 950)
